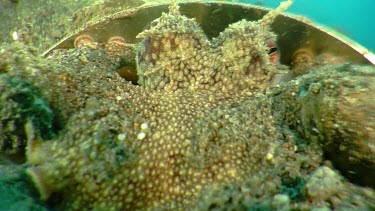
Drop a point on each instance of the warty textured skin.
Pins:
(200, 119)
(176, 54)
(159, 152)
(284, 133)
(276, 136)
(160, 143)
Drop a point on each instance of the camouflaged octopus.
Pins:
(176, 54)
(172, 141)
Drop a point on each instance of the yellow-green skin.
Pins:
(165, 149)
(200, 119)
(170, 136)
(176, 54)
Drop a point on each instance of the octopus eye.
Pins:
(155, 22)
(273, 52)
(152, 24)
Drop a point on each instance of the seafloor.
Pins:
(304, 145)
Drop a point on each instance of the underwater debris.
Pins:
(21, 102)
(24, 101)
(85, 41)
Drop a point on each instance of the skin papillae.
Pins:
(175, 54)
(204, 115)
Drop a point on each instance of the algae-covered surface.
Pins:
(205, 127)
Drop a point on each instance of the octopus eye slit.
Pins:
(154, 23)
(151, 24)
(272, 50)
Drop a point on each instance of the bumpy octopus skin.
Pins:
(171, 139)
(176, 54)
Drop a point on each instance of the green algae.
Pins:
(31, 106)
(25, 104)
(22, 102)
(294, 188)
(16, 191)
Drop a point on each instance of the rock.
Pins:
(323, 184)
(281, 202)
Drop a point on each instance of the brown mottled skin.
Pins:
(162, 156)
(199, 119)
(176, 54)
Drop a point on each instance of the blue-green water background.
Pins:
(353, 18)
